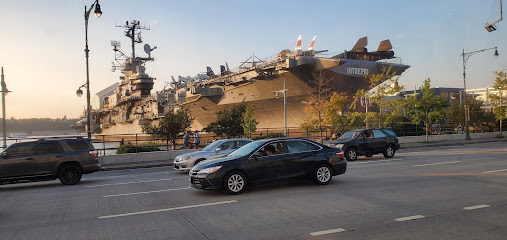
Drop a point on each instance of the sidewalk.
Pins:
(166, 163)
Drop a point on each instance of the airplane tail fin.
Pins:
(227, 67)
(311, 44)
(209, 72)
(298, 44)
(385, 46)
(360, 45)
(172, 79)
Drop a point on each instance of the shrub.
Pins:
(132, 149)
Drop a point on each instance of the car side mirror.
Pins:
(218, 149)
(360, 137)
(257, 154)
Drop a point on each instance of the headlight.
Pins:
(340, 146)
(210, 170)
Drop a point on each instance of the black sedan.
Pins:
(269, 160)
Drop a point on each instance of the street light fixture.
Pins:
(277, 94)
(4, 93)
(466, 56)
(79, 92)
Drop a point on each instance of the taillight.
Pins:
(341, 154)
(94, 154)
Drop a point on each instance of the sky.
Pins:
(42, 42)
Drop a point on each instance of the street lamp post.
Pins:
(4, 92)
(277, 94)
(97, 13)
(466, 56)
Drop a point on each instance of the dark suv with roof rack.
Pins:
(367, 142)
(48, 159)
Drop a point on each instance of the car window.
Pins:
(366, 134)
(300, 146)
(22, 149)
(389, 132)
(273, 148)
(227, 145)
(49, 147)
(242, 143)
(378, 134)
(78, 144)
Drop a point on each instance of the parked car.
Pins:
(367, 142)
(65, 159)
(187, 161)
(252, 164)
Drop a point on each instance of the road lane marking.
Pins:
(408, 218)
(501, 170)
(376, 161)
(337, 230)
(477, 207)
(123, 183)
(431, 164)
(166, 209)
(135, 193)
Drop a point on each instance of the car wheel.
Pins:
(235, 182)
(198, 161)
(351, 154)
(70, 174)
(389, 151)
(322, 175)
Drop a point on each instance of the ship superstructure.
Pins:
(253, 82)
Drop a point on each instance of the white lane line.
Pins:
(123, 183)
(477, 207)
(337, 230)
(501, 170)
(166, 209)
(408, 218)
(431, 164)
(376, 161)
(135, 193)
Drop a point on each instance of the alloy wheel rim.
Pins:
(323, 174)
(69, 175)
(390, 151)
(352, 154)
(235, 183)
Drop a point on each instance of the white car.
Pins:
(219, 148)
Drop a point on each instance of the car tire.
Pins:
(351, 154)
(389, 151)
(322, 175)
(70, 174)
(198, 161)
(235, 182)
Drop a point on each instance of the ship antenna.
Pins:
(130, 32)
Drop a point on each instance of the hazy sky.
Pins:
(42, 42)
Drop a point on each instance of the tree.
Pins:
(456, 113)
(389, 107)
(171, 127)
(228, 123)
(497, 99)
(317, 100)
(249, 123)
(335, 116)
(427, 108)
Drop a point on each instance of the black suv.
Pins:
(48, 159)
(367, 142)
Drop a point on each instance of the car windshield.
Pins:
(212, 146)
(245, 150)
(349, 135)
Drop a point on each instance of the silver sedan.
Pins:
(219, 148)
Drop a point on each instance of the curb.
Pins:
(430, 144)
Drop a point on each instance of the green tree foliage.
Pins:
(390, 109)
(426, 108)
(171, 127)
(318, 100)
(228, 122)
(497, 99)
(456, 113)
(249, 123)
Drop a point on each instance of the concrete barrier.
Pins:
(142, 157)
(446, 137)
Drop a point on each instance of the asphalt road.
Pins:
(457, 192)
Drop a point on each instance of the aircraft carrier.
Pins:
(127, 105)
